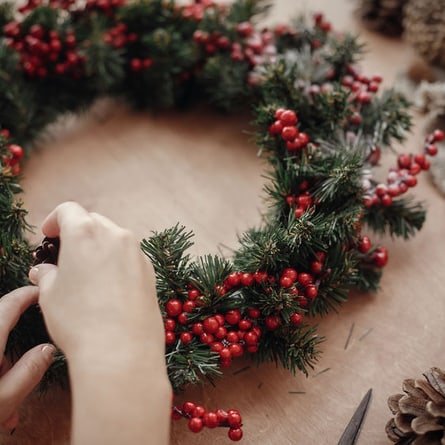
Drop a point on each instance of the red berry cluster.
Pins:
(107, 7)
(380, 255)
(15, 153)
(403, 176)
(32, 4)
(285, 125)
(301, 202)
(229, 334)
(198, 418)
(212, 42)
(197, 9)
(44, 52)
(321, 23)
(363, 89)
(118, 36)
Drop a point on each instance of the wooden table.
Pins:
(148, 172)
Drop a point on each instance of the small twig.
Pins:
(321, 372)
(349, 335)
(239, 371)
(260, 385)
(366, 334)
(12, 431)
(230, 249)
(296, 392)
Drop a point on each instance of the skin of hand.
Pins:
(18, 381)
(100, 307)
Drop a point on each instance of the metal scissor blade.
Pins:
(351, 432)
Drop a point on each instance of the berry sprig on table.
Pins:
(321, 124)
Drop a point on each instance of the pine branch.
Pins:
(403, 219)
(246, 10)
(166, 250)
(291, 348)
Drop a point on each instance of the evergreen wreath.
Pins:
(318, 120)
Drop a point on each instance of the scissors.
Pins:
(350, 434)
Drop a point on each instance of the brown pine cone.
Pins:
(419, 414)
(424, 24)
(47, 252)
(385, 16)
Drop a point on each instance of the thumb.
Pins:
(43, 275)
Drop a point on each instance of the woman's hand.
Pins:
(18, 381)
(100, 307)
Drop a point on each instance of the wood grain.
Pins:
(148, 172)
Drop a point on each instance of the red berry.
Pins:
(273, 322)
(364, 244)
(232, 337)
(199, 411)
(236, 350)
(279, 113)
(286, 281)
(244, 28)
(288, 118)
(299, 211)
(432, 150)
(5, 133)
(210, 419)
(195, 424)
(198, 328)
(221, 332)
(419, 158)
(188, 306)
(135, 65)
(438, 135)
(305, 279)
(186, 337)
(206, 338)
(225, 354)
(311, 291)
(250, 338)
(247, 279)
(381, 189)
(16, 151)
(182, 318)
(188, 407)
(296, 318)
(291, 273)
(386, 200)
(217, 346)
(245, 324)
(235, 434)
(193, 294)
(220, 318)
(170, 324)
(289, 133)
(253, 313)
(170, 337)
(393, 190)
(210, 325)
(381, 257)
(233, 280)
(303, 139)
(233, 316)
(221, 415)
(316, 267)
(173, 307)
(410, 181)
(404, 161)
(233, 418)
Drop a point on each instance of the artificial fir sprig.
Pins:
(319, 122)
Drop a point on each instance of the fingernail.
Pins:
(33, 274)
(48, 351)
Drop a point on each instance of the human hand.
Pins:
(100, 307)
(101, 295)
(18, 381)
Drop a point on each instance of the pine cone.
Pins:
(419, 415)
(47, 252)
(424, 23)
(385, 16)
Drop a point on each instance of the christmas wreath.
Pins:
(320, 123)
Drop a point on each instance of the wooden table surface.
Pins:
(148, 172)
